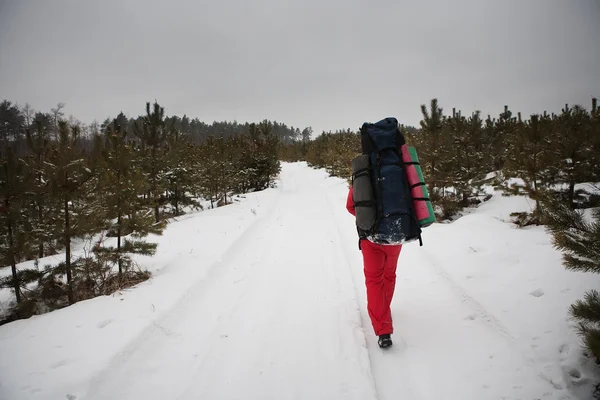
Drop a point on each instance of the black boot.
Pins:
(385, 341)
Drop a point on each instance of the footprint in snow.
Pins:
(471, 317)
(537, 293)
(59, 364)
(104, 323)
(575, 374)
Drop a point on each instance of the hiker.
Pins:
(384, 189)
(380, 261)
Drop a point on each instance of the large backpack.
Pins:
(381, 193)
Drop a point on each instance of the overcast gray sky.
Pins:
(330, 64)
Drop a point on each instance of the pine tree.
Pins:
(226, 169)
(219, 170)
(44, 219)
(209, 176)
(454, 168)
(571, 149)
(431, 151)
(69, 174)
(316, 150)
(475, 149)
(579, 239)
(152, 131)
(181, 178)
(241, 148)
(489, 129)
(503, 134)
(528, 159)
(259, 161)
(306, 137)
(123, 186)
(268, 163)
(15, 227)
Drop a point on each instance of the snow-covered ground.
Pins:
(265, 299)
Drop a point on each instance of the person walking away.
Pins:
(381, 200)
(380, 263)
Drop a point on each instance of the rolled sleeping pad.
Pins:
(363, 193)
(414, 175)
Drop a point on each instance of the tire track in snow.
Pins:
(219, 330)
(157, 329)
(478, 308)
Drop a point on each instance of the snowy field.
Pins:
(265, 299)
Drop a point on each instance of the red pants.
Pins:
(380, 278)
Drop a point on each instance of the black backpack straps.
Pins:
(364, 204)
(361, 172)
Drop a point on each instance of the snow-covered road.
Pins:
(273, 307)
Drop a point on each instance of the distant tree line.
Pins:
(197, 131)
(114, 183)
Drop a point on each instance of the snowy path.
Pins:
(277, 319)
(276, 310)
